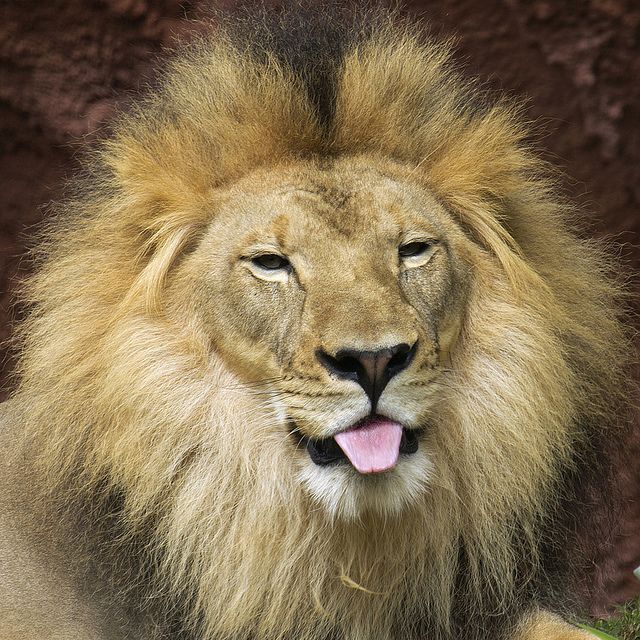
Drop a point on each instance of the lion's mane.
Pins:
(139, 426)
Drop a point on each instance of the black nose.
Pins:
(372, 370)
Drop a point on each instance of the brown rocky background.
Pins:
(65, 64)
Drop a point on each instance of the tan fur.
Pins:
(154, 365)
(543, 626)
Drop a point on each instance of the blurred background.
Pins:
(65, 65)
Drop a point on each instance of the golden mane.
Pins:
(127, 408)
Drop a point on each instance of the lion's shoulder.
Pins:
(41, 595)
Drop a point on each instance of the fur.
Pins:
(137, 416)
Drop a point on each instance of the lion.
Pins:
(314, 349)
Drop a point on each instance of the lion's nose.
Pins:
(372, 370)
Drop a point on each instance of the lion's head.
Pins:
(337, 290)
(324, 329)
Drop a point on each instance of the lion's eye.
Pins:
(271, 262)
(414, 249)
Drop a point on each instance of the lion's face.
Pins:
(337, 291)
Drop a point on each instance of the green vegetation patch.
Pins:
(623, 625)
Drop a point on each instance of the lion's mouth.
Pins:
(371, 446)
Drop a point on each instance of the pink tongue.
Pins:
(373, 446)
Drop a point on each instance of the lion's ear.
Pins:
(162, 200)
(155, 176)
